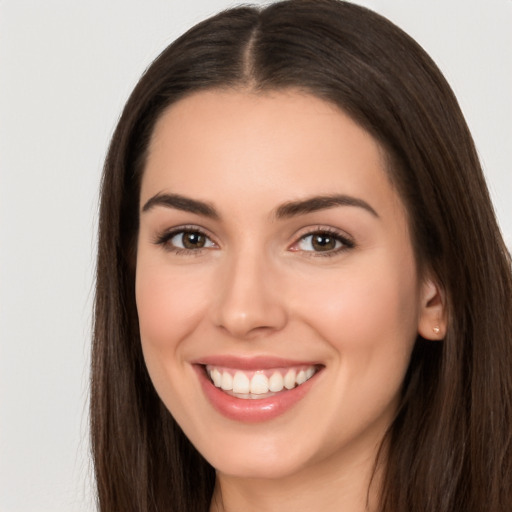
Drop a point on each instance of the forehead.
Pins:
(281, 146)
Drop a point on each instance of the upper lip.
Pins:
(251, 362)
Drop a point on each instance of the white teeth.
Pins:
(216, 377)
(241, 383)
(289, 379)
(227, 381)
(276, 383)
(259, 384)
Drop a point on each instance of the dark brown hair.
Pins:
(450, 446)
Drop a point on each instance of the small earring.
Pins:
(436, 329)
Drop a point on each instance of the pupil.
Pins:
(193, 240)
(323, 242)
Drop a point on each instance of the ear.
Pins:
(432, 315)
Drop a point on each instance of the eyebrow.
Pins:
(286, 210)
(316, 203)
(181, 203)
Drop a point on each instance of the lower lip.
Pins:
(252, 410)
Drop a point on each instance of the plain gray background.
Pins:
(66, 69)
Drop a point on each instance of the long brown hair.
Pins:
(450, 446)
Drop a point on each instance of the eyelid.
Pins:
(346, 240)
(163, 238)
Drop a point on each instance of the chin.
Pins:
(259, 457)
(257, 469)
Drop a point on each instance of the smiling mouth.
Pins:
(259, 384)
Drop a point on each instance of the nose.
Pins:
(249, 302)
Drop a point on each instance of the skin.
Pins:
(259, 288)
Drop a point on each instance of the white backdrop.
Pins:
(66, 69)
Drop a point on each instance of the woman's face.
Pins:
(276, 285)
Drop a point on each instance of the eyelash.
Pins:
(346, 242)
(165, 238)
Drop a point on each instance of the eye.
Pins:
(185, 240)
(190, 240)
(323, 241)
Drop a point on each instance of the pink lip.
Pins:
(251, 363)
(249, 410)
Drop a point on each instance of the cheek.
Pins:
(169, 304)
(368, 316)
(366, 308)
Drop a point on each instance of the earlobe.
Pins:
(432, 315)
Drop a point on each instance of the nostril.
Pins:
(246, 303)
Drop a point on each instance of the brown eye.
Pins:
(193, 240)
(189, 240)
(323, 242)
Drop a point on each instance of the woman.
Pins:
(303, 298)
